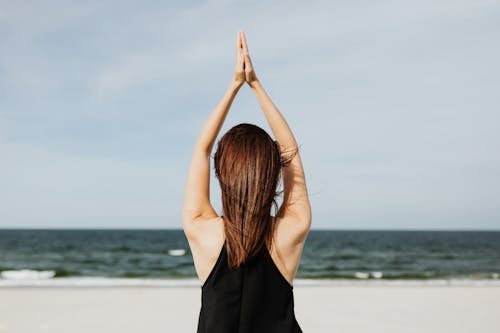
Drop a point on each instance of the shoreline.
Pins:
(104, 282)
(348, 309)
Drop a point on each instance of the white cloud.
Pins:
(395, 104)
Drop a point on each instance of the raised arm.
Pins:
(197, 191)
(296, 206)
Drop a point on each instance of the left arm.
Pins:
(197, 193)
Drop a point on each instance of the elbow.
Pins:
(203, 148)
(307, 217)
(187, 222)
(188, 228)
(307, 221)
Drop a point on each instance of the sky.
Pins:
(395, 106)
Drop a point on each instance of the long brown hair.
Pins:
(248, 164)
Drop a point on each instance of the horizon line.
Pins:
(312, 229)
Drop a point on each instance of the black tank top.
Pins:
(253, 298)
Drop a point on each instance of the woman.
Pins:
(247, 259)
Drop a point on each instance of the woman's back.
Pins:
(246, 286)
(255, 297)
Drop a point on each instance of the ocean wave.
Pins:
(183, 271)
(177, 252)
(27, 274)
(391, 275)
(361, 275)
(136, 282)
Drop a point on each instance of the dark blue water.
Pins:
(327, 254)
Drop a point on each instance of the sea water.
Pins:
(162, 258)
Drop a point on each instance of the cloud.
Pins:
(394, 103)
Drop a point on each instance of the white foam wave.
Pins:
(177, 252)
(27, 274)
(135, 282)
(101, 282)
(361, 275)
(375, 275)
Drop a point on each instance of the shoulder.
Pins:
(205, 237)
(289, 239)
(195, 227)
(204, 230)
(292, 230)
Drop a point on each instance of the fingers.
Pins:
(240, 59)
(242, 55)
(244, 42)
(240, 63)
(248, 62)
(238, 44)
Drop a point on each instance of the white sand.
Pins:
(318, 309)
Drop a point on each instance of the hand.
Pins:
(250, 76)
(239, 71)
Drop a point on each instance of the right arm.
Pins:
(295, 212)
(296, 207)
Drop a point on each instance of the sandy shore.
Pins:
(349, 309)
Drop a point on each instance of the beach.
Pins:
(124, 281)
(346, 309)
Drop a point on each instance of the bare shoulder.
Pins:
(289, 239)
(205, 236)
(292, 230)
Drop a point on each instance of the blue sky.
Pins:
(395, 105)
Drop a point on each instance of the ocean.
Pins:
(112, 257)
